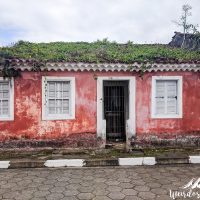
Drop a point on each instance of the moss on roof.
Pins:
(97, 52)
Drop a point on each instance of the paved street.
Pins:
(134, 183)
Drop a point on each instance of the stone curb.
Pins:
(170, 160)
(96, 163)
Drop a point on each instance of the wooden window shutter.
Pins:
(171, 87)
(160, 97)
(4, 99)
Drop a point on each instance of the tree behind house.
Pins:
(183, 22)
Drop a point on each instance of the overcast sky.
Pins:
(141, 21)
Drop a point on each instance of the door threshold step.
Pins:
(116, 145)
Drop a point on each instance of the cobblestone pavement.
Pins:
(136, 183)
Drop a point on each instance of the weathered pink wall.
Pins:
(28, 100)
(167, 128)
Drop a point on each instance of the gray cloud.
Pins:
(141, 21)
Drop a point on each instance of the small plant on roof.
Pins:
(7, 70)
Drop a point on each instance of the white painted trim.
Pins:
(101, 123)
(130, 161)
(179, 79)
(137, 161)
(194, 159)
(130, 123)
(149, 161)
(11, 106)
(4, 164)
(65, 163)
(72, 98)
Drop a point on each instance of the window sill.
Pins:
(166, 116)
(7, 119)
(52, 118)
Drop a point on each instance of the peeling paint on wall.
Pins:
(28, 122)
(163, 128)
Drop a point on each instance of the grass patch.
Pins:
(92, 154)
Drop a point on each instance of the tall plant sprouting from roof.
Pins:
(184, 22)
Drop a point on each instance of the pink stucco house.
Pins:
(81, 104)
(93, 94)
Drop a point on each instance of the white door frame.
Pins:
(101, 122)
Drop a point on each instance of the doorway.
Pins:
(116, 107)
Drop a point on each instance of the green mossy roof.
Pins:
(97, 52)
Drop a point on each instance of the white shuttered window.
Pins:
(58, 97)
(6, 100)
(59, 100)
(166, 97)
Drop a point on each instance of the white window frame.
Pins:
(179, 80)
(71, 114)
(10, 117)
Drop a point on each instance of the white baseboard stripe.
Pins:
(137, 161)
(149, 161)
(4, 164)
(130, 161)
(65, 163)
(194, 159)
